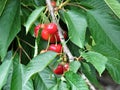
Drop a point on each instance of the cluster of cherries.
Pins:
(50, 33)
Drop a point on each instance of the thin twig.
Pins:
(27, 43)
(77, 5)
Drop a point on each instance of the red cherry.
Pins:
(52, 28)
(58, 70)
(66, 67)
(45, 34)
(36, 30)
(56, 48)
(53, 3)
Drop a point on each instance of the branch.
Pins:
(66, 49)
(88, 82)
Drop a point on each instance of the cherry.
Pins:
(53, 3)
(45, 34)
(56, 48)
(66, 67)
(37, 28)
(58, 70)
(52, 28)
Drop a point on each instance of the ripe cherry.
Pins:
(53, 3)
(37, 28)
(56, 48)
(66, 67)
(45, 34)
(52, 28)
(59, 70)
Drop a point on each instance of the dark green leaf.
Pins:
(76, 81)
(37, 64)
(2, 5)
(48, 77)
(4, 70)
(76, 24)
(74, 66)
(33, 16)
(114, 5)
(45, 79)
(9, 25)
(90, 73)
(39, 83)
(98, 60)
(17, 75)
(113, 67)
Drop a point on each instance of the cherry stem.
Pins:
(66, 49)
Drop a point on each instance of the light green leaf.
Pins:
(33, 16)
(74, 66)
(54, 88)
(76, 81)
(37, 64)
(9, 25)
(4, 70)
(77, 25)
(114, 5)
(105, 31)
(63, 86)
(29, 85)
(2, 5)
(98, 60)
(113, 67)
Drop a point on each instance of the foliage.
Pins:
(93, 33)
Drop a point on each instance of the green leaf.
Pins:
(76, 81)
(48, 78)
(77, 25)
(98, 60)
(45, 79)
(9, 25)
(17, 75)
(54, 88)
(29, 85)
(105, 31)
(37, 64)
(39, 83)
(33, 16)
(113, 67)
(2, 5)
(114, 5)
(90, 73)
(74, 66)
(4, 70)
(63, 86)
